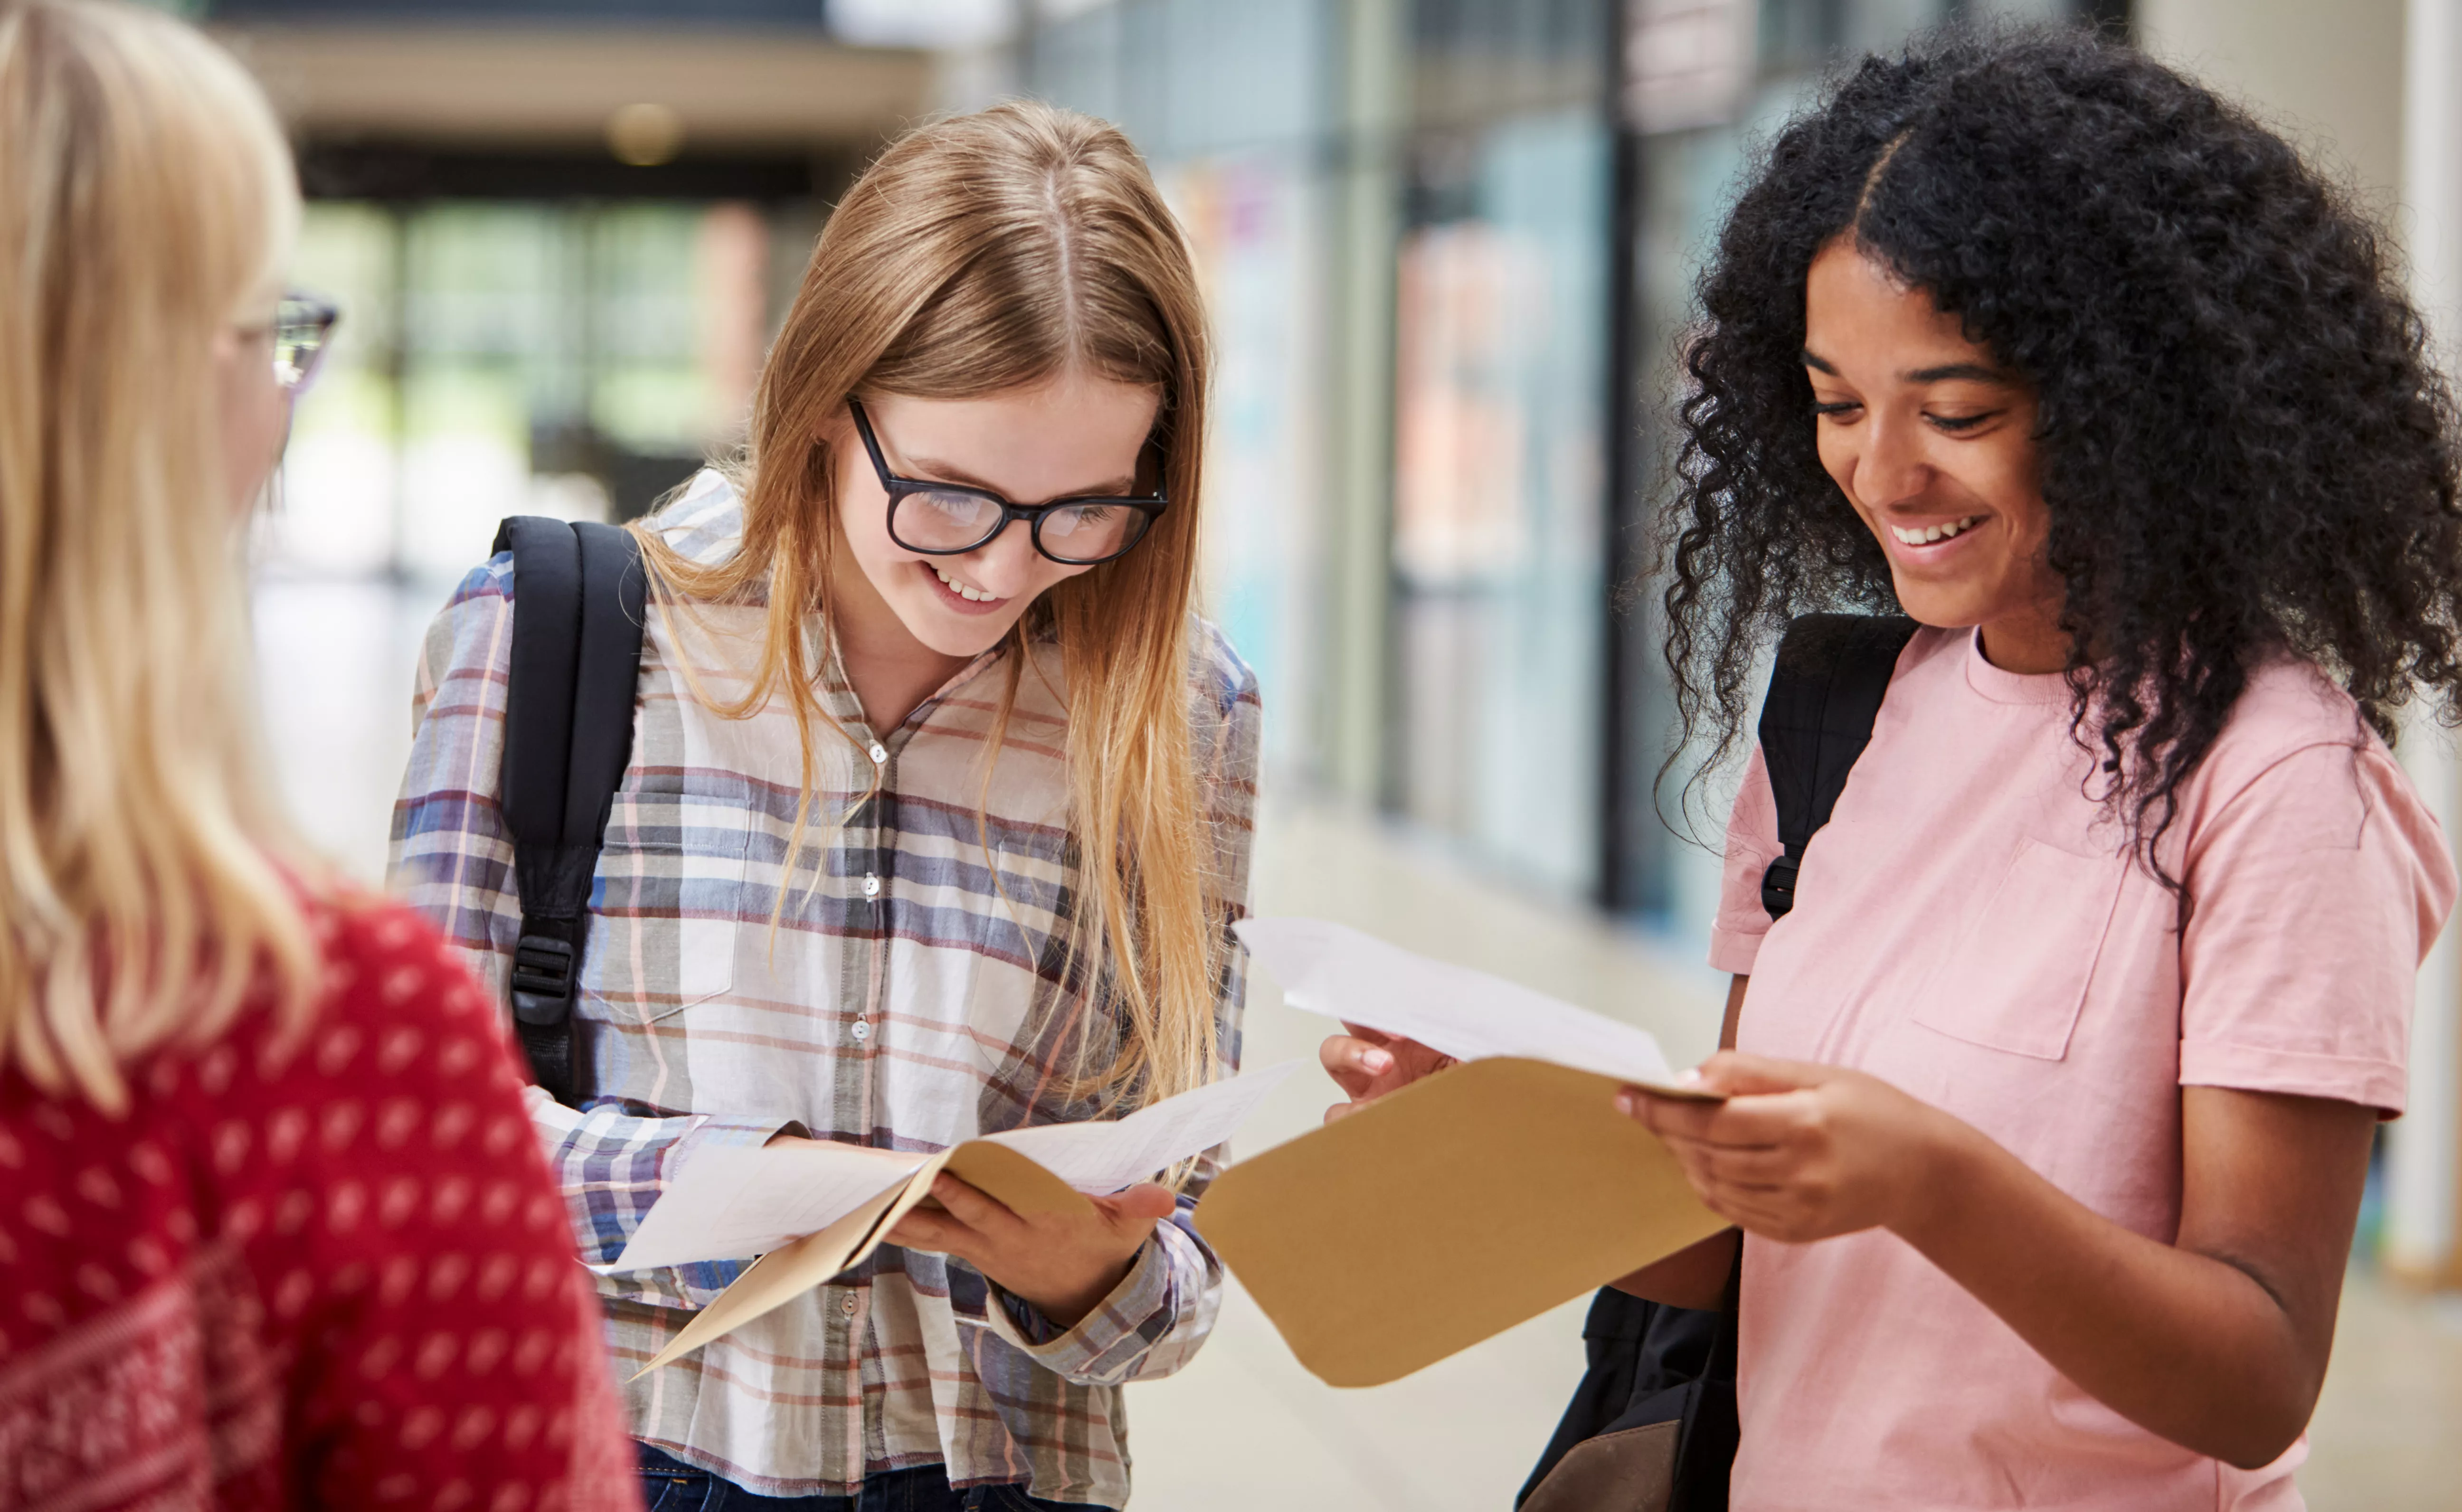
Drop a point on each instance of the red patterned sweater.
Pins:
(336, 1276)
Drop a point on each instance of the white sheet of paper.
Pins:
(1337, 971)
(735, 1203)
(1102, 1157)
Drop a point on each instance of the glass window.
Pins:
(508, 358)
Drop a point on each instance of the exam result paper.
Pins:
(1339, 972)
(1100, 1157)
(732, 1203)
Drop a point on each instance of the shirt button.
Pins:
(871, 887)
(862, 1029)
(879, 754)
(846, 1304)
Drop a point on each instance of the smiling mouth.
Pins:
(965, 590)
(1931, 534)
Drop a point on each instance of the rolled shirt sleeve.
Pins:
(2317, 888)
(1148, 1326)
(1752, 843)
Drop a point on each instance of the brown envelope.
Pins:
(782, 1275)
(1446, 1213)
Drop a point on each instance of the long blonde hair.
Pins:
(145, 196)
(987, 252)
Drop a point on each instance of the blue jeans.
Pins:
(668, 1484)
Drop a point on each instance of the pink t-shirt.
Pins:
(1968, 931)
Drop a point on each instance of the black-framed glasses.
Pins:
(950, 519)
(302, 325)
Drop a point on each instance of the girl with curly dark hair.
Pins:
(2061, 1075)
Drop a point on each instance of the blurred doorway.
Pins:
(560, 233)
(507, 355)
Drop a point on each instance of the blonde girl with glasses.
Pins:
(935, 822)
(272, 1231)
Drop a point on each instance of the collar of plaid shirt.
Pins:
(909, 996)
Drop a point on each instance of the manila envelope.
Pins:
(782, 1275)
(1446, 1213)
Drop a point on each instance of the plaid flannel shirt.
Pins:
(911, 996)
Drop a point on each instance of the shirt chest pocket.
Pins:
(2016, 978)
(672, 893)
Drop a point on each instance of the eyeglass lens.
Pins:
(951, 520)
(301, 328)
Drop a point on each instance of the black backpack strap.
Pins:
(578, 604)
(1833, 672)
(1705, 1447)
(1612, 1338)
(1650, 1363)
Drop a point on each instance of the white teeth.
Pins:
(1924, 535)
(974, 596)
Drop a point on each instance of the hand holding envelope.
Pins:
(1063, 1263)
(1368, 1064)
(813, 1209)
(1465, 1202)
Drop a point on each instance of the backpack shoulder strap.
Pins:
(579, 597)
(1832, 673)
(1649, 1363)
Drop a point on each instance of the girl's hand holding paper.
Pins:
(1065, 1263)
(1368, 1064)
(1799, 1152)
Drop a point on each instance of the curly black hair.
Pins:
(2245, 449)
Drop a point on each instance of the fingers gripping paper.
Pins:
(1343, 974)
(812, 1212)
(1471, 1201)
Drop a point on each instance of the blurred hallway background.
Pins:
(1447, 245)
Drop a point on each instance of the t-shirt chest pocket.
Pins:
(2015, 979)
(672, 874)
